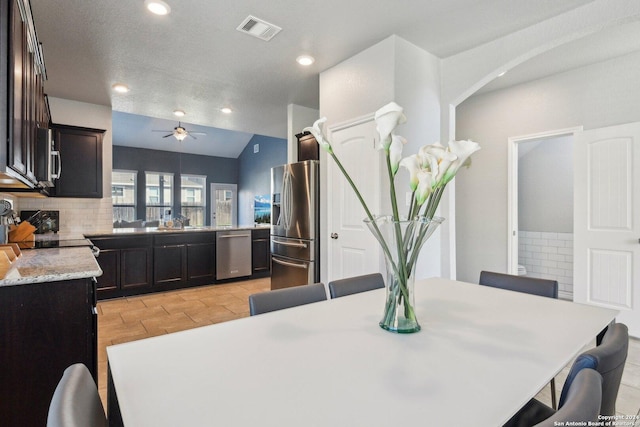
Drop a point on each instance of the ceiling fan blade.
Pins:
(197, 133)
(189, 134)
(158, 130)
(167, 136)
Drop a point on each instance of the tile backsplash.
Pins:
(84, 216)
(548, 256)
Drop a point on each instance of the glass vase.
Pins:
(401, 241)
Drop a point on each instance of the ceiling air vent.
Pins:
(258, 28)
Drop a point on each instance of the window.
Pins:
(159, 195)
(123, 194)
(193, 198)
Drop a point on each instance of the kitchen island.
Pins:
(144, 260)
(47, 322)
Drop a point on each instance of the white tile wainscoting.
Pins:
(548, 256)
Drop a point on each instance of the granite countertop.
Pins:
(52, 265)
(160, 230)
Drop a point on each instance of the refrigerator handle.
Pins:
(289, 264)
(286, 199)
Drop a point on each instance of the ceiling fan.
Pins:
(179, 132)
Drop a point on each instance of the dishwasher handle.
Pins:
(229, 236)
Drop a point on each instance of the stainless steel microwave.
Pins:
(47, 159)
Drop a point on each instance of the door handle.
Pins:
(334, 236)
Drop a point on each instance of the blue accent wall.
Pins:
(254, 172)
(217, 169)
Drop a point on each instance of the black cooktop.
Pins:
(55, 243)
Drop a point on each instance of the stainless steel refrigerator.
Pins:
(295, 224)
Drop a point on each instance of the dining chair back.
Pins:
(355, 285)
(264, 302)
(528, 285)
(608, 359)
(75, 401)
(582, 403)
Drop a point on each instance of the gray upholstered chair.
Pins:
(76, 402)
(582, 403)
(607, 359)
(279, 299)
(528, 285)
(354, 285)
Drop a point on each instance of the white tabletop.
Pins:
(482, 353)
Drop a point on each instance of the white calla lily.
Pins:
(387, 119)
(425, 186)
(395, 152)
(462, 150)
(412, 164)
(318, 133)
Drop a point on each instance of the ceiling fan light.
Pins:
(180, 136)
(157, 7)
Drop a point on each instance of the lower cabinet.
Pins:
(142, 263)
(45, 327)
(126, 264)
(260, 252)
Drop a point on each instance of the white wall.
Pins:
(545, 185)
(602, 94)
(81, 215)
(392, 70)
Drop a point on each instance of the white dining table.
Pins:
(482, 353)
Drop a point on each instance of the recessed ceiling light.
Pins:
(157, 6)
(226, 110)
(179, 113)
(502, 74)
(305, 60)
(121, 88)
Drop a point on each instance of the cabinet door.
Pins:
(81, 157)
(135, 269)
(46, 327)
(201, 262)
(170, 265)
(109, 261)
(260, 251)
(18, 52)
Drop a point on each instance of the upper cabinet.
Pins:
(23, 104)
(81, 154)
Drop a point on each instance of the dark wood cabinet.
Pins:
(260, 252)
(81, 156)
(201, 256)
(126, 264)
(23, 103)
(170, 265)
(44, 328)
(162, 261)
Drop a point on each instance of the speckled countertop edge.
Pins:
(156, 230)
(52, 265)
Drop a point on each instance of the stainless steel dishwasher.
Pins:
(233, 254)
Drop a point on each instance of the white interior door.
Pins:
(352, 249)
(224, 205)
(607, 220)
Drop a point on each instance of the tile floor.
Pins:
(134, 318)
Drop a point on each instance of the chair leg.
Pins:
(554, 403)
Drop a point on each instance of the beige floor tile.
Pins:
(143, 313)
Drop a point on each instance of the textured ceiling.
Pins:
(194, 59)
